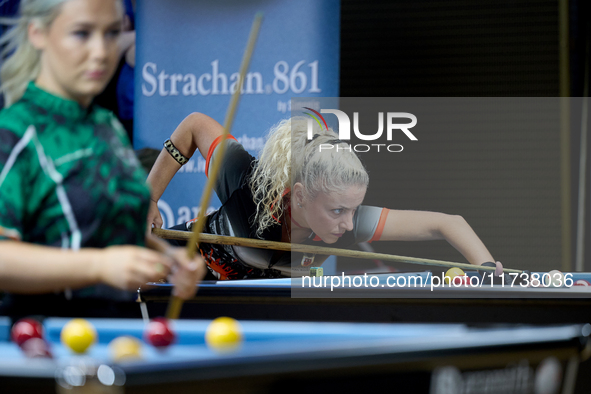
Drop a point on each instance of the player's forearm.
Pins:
(162, 173)
(461, 236)
(28, 268)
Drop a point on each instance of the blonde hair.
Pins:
(288, 157)
(20, 59)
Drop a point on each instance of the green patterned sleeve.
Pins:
(13, 150)
(118, 128)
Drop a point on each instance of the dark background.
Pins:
(476, 49)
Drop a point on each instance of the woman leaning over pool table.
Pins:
(294, 193)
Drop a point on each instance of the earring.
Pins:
(299, 205)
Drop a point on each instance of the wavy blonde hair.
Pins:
(20, 59)
(288, 157)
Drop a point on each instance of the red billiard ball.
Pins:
(26, 329)
(582, 282)
(158, 333)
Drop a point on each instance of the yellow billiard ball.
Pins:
(125, 348)
(224, 334)
(452, 273)
(78, 335)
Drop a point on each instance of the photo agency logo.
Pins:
(345, 130)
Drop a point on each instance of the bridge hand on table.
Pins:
(499, 278)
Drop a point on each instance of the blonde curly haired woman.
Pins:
(294, 193)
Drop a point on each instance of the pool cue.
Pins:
(284, 246)
(175, 304)
(580, 244)
(366, 247)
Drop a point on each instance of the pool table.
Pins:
(311, 358)
(285, 299)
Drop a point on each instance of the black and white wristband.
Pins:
(175, 153)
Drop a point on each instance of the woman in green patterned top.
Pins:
(73, 197)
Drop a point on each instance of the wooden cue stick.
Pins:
(175, 304)
(580, 245)
(565, 135)
(273, 245)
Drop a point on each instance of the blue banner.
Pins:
(188, 55)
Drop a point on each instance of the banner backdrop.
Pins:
(188, 56)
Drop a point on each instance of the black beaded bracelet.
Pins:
(175, 153)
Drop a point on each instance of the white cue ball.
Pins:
(556, 279)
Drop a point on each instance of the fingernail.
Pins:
(498, 268)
